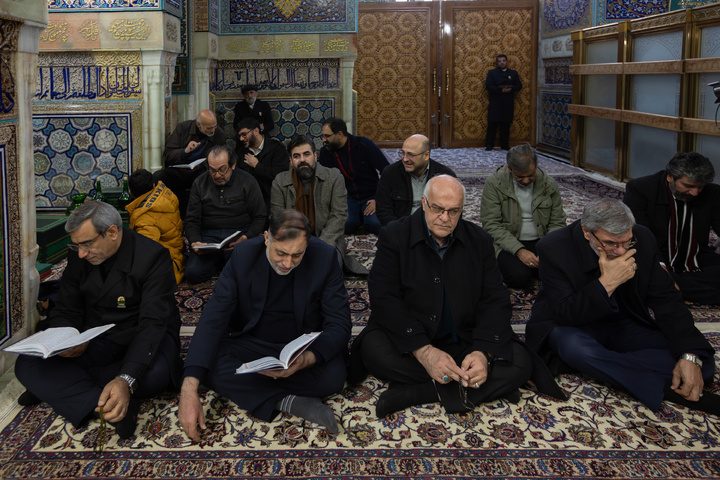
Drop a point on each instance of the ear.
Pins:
(112, 232)
(586, 233)
(267, 240)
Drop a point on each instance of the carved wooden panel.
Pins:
(480, 35)
(392, 74)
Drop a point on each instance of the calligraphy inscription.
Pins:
(291, 78)
(127, 30)
(271, 46)
(302, 46)
(88, 82)
(238, 46)
(55, 31)
(336, 45)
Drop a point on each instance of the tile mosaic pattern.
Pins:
(72, 152)
(175, 7)
(555, 120)
(286, 16)
(4, 325)
(609, 11)
(557, 71)
(84, 5)
(292, 117)
(12, 318)
(560, 17)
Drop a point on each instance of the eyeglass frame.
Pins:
(222, 170)
(86, 245)
(452, 212)
(630, 243)
(402, 154)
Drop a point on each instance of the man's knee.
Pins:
(572, 345)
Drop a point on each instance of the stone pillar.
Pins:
(154, 78)
(348, 69)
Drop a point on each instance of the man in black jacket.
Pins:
(402, 183)
(113, 276)
(440, 322)
(253, 107)
(680, 205)
(501, 83)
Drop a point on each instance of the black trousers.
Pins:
(703, 286)
(72, 386)
(504, 134)
(514, 272)
(257, 393)
(385, 362)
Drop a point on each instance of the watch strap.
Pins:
(130, 381)
(692, 358)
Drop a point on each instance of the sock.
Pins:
(708, 403)
(28, 399)
(401, 396)
(125, 428)
(311, 409)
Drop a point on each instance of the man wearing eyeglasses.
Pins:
(360, 161)
(260, 156)
(191, 140)
(113, 276)
(520, 204)
(680, 205)
(440, 322)
(600, 280)
(402, 183)
(223, 200)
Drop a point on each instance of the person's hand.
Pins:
(687, 380)
(196, 250)
(506, 89)
(251, 160)
(369, 208)
(476, 368)
(439, 364)
(616, 271)
(190, 411)
(528, 258)
(75, 351)
(191, 146)
(306, 360)
(114, 399)
(232, 244)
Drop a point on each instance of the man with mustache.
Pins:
(319, 193)
(253, 107)
(680, 205)
(600, 281)
(520, 204)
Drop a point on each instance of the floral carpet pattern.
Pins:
(600, 432)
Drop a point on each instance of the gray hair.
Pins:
(426, 190)
(610, 214)
(102, 216)
(693, 165)
(520, 158)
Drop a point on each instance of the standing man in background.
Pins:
(502, 83)
(255, 108)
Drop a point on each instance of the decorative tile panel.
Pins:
(85, 5)
(286, 16)
(557, 71)
(559, 17)
(8, 50)
(609, 11)
(176, 7)
(555, 119)
(215, 15)
(11, 299)
(312, 74)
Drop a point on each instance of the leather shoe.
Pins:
(27, 399)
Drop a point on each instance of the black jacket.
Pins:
(273, 159)
(260, 112)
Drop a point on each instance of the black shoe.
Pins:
(512, 397)
(125, 428)
(488, 149)
(27, 399)
(505, 147)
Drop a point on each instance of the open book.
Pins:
(288, 355)
(55, 340)
(190, 165)
(218, 246)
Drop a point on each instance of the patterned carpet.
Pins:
(599, 432)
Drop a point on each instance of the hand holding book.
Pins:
(287, 357)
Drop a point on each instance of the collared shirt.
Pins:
(257, 152)
(446, 332)
(418, 185)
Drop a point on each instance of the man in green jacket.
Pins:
(520, 204)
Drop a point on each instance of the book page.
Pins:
(293, 349)
(44, 342)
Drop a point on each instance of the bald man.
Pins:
(191, 140)
(440, 323)
(402, 183)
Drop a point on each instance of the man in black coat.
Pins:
(253, 107)
(680, 205)
(440, 322)
(501, 83)
(260, 156)
(113, 275)
(600, 280)
(402, 183)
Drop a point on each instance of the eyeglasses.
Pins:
(325, 136)
(614, 245)
(84, 245)
(242, 135)
(220, 171)
(438, 210)
(402, 154)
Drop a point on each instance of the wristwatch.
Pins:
(693, 358)
(130, 381)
